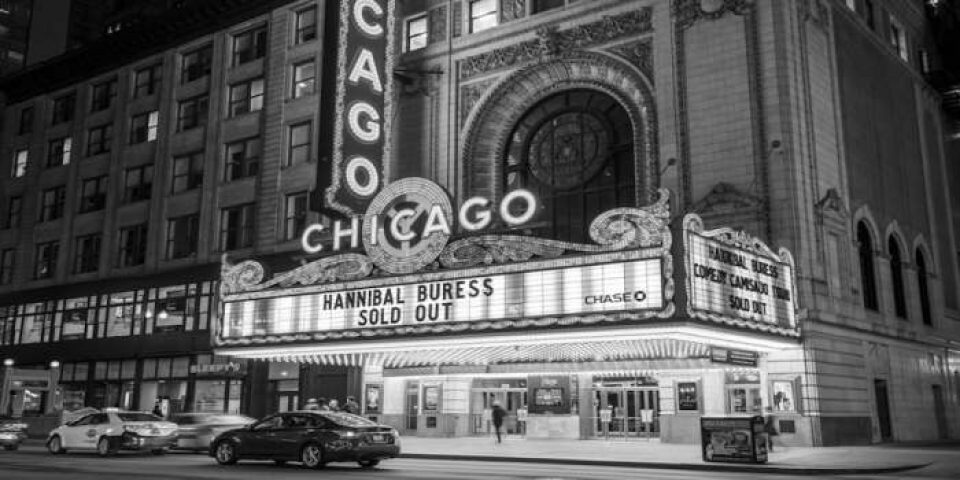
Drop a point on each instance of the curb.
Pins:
(741, 468)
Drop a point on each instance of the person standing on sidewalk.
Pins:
(770, 428)
(498, 413)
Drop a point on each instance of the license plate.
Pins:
(379, 438)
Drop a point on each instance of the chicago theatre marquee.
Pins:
(637, 333)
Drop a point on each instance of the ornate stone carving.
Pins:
(725, 194)
(247, 276)
(688, 12)
(639, 54)
(617, 229)
(553, 41)
(242, 277)
(470, 94)
(815, 12)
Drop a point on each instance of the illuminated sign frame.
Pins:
(739, 281)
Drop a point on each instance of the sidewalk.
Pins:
(653, 454)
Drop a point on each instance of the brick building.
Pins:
(812, 125)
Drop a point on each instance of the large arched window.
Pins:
(868, 282)
(923, 288)
(896, 277)
(574, 151)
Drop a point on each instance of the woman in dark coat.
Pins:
(497, 414)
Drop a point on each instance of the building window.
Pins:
(146, 81)
(295, 215)
(93, 194)
(784, 397)
(896, 277)
(868, 13)
(26, 121)
(58, 152)
(182, 236)
(923, 289)
(45, 260)
(14, 208)
(688, 397)
(192, 113)
(138, 184)
(63, 108)
(300, 142)
(88, 253)
(868, 282)
(242, 159)
(304, 79)
(544, 5)
(416, 33)
(236, 227)
(99, 139)
(852, 5)
(102, 95)
(306, 29)
(574, 151)
(249, 45)
(246, 97)
(898, 38)
(196, 64)
(20, 160)
(6, 265)
(133, 245)
(52, 201)
(187, 172)
(743, 393)
(143, 127)
(483, 15)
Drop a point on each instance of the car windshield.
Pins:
(348, 419)
(229, 420)
(139, 417)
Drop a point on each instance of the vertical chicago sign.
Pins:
(361, 105)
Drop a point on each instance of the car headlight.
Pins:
(8, 436)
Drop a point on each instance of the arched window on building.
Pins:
(868, 282)
(896, 277)
(923, 288)
(574, 151)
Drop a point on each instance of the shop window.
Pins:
(192, 112)
(87, 250)
(416, 33)
(743, 393)
(146, 81)
(138, 184)
(21, 158)
(246, 97)
(99, 140)
(923, 288)
(75, 319)
(183, 234)
(173, 309)
(93, 194)
(304, 79)
(783, 396)
(45, 260)
(249, 45)
(123, 309)
(306, 25)
(574, 151)
(133, 246)
(896, 278)
(35, 323)
(868, 283)
(102, 95)
(187, 172)
(143, 127)
(242, 159)
(483, 15)
(196, 64)
(63, 108)
(14, 207)
(688, 397)
(58, 152)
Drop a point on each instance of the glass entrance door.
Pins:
(634, 411)
(511, 399)
(412, 405)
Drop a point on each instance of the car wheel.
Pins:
(369, 463)
(226, 453)
(11, 447)
(55, 445)
(312, 456)
(103, 447)
(280, 463)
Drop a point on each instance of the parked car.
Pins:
(312, 437)
(111, 430)
(12, 433)
(197, 430)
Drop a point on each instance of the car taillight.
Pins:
(137, 428)
(347, 433)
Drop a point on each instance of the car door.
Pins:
(99, 422)
(71, 435)
(286, 440)
(257, 442)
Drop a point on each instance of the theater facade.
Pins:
(636, 333)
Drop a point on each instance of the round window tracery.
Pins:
(568, 149)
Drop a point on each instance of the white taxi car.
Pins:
(111, 430)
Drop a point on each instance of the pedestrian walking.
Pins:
(498, 413)
(770, 428)
(351, 405)
(334, 405)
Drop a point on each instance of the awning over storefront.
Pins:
(599, 345)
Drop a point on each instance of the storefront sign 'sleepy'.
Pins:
(633, 285)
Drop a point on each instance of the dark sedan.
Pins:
(312, 437)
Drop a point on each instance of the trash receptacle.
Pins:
(733, 439)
